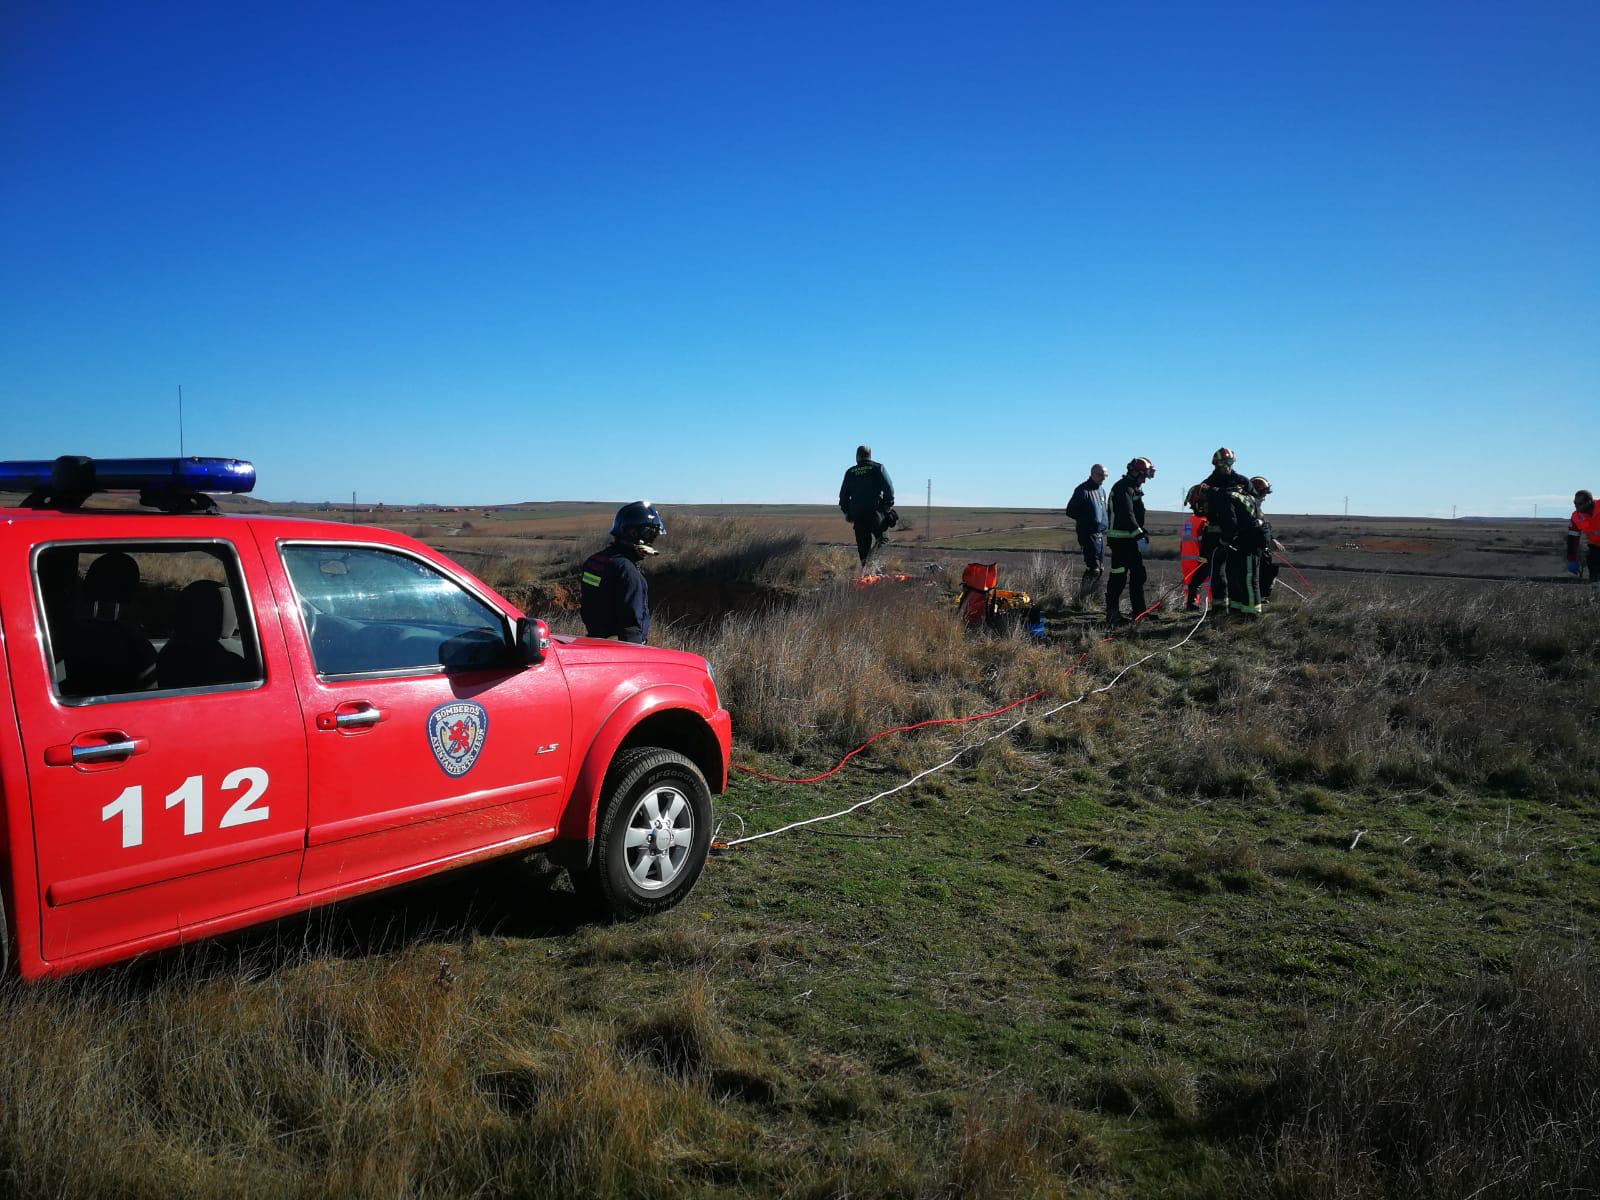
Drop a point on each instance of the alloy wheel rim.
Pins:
(658, 837)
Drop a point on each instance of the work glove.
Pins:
(1572, 568)
(1144, 545)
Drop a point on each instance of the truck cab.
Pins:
(218, 720)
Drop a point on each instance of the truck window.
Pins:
(126, 618)
(370, 611)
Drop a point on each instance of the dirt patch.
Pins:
(1394, 545)
(550, 597)
(695, 600)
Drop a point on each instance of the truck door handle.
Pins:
(117, 745)
(354, 714)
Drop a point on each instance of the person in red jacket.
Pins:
(1192, 559)
(1584, 527)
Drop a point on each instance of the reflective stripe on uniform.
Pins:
(590, 579)
(1118, 570)
(1120, 533)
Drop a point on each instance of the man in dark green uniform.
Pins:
(865, 498)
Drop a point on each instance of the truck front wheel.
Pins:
(653, 835)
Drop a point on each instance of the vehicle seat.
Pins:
(106, 654)
(195, 655)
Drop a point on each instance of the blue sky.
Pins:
(698, 252)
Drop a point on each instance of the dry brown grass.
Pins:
(1401, 690)
(1492, 1091)
(382, 1078)
(1019, 1147)
(841, 663)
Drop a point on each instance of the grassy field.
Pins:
(1303, 909)
(1492, 549)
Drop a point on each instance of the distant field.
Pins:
(1507, 549)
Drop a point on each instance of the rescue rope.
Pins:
(1298, 572)
(722, 846)
(839, 766)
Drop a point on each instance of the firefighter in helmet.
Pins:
(615, 596)
(1127, 540)
(1221, 487)
(1267, 569)
(1246, 543)
(1584, 527)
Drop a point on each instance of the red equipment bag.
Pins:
(978, 580)
(981, 576)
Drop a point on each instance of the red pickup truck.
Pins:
(211, 721)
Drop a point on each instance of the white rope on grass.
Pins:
(993, 737)
(1292, 588)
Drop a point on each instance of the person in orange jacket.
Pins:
(1192, 559)
(1584, 527)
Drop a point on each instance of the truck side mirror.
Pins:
(533, 640)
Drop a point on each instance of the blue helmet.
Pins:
(641, 516)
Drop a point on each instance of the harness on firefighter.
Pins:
(984, 604)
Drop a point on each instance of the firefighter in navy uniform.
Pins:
(1261, 488)
(1221, 486)
(615, 597)
(1584, 527)
(865, 498)
(1126, 540)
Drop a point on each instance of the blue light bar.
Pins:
(217, 475)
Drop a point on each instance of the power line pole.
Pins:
(352, 508)
(180, 420)
(1452, 512)
(1347, 507)
(927, 515)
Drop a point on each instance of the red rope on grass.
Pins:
(839, 766)
(1160, 600)
(885, 733)
(1298, 572)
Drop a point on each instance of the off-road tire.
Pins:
(612, 880)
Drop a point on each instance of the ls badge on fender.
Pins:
(456, 732)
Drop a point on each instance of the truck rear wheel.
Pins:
(653, 835)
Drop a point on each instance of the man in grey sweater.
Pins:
(1087, 508)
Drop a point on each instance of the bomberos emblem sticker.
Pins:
(456, 732)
